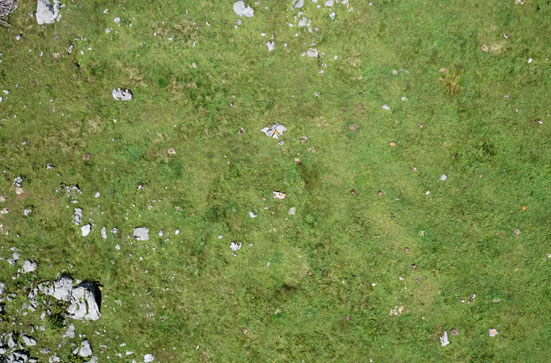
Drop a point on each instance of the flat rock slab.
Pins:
(240, 9)
(141, 233)
(46, 12)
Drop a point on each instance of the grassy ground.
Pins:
(185, 297)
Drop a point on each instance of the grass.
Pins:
(185, 297)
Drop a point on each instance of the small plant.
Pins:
(450, 82)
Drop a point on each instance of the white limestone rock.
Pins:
(141, 234)
(240, 9)
(121, 94)
(85, 302)
(46, 13)
(60, 290)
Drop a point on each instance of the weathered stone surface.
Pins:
(121, 94)
(141, 233)
(46, 13)
(85, 302)
(60, 290)
(240, 9)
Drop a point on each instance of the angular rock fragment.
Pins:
(85, 302)
(240, 9)
(46, 13)
(121, 94)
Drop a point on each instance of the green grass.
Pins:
(196, 297)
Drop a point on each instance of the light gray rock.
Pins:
(77, 216)
(85, 302)
(60, 290)
(46, 13)
(70, 333)
(11, 341)
(312, 53)
(85, 350)
(29, 266)
(17, 181)
(86, 230)
(444, 339)
(28, 340)
(141, 233)
(121, 94)
(240, 9)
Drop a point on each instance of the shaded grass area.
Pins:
(196, 297)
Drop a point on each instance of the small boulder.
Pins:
(85, 230)
(121, 94)
(60, 290)
(46, 13)
(240, 9)
(28, 341)
(85, 302)
(141, 233)
(85, 350)
(29, 266)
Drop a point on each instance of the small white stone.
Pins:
(444, 339)
(141, 234)
(29, 266)
(85, 230)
